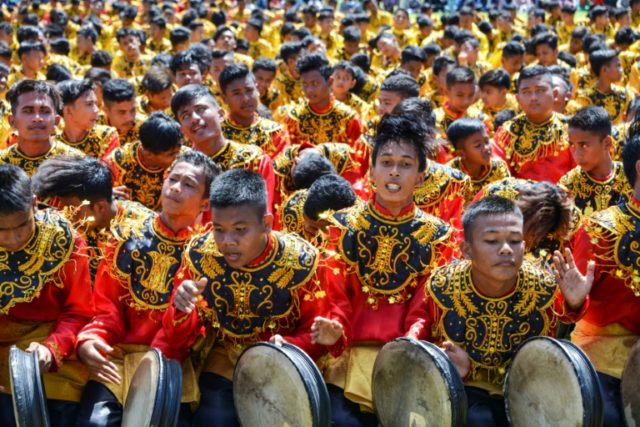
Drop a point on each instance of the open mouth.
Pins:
(392, 187)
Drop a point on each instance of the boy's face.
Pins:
(387, 101)
(33, 60)
(85, 44)
(575, 45)
(162, 100)
(130, 46)
(121, 115)
(226, 41)
(401, 20)
(188, 75)
(567, 18)
(343, 82)
(83, 112)
(535, 96)
(612, 70)
(316, 89)
(496, 248)
(156, 32)
(493, 97)
(602, 20)
(264, 79)
(16, 229)
(588, 149)
(35, 117)
(395, 174)
(219, 64)
(241, 96)
(251, 34)
(240, 233)
(546, 55)
(388, 47)
(351, 47)
(476, 149)
(183, 190)
(197, 34)
(413, 68)
(461, 96)
(326, 25)
(200, 121)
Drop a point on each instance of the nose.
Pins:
(505, 249)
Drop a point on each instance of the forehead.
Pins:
(462, 87)
(196, 102)
(244, 82)
(535, 82)
(576, 134)
(34, 99)
(188, 170)
(509, 223)
(311, 75)
(398, 149)
(235, 214)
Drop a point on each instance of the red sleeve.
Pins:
(354, 131)
(266, 170)
(339, 303)
(417, 320)
(292, 130)
(280, 142)
(109, 323)
(566, 314)
(114, 169)
(114, 143)
(75, 300)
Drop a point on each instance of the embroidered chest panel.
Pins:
(24, 273)
(319, 128)
(388, 256)
(147, 261)
(441, 184)
(259, 134)
(145, 184)
(95, 143)
(615, 102)
(498, 170)
(591, 196)
(292, 215)
(238, 156)
(31, 164)
(246, 302)
(490, 329)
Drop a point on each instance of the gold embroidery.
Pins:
(319, 128)
(30, 165)
(441, 184)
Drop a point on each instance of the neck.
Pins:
(475, 171)
(34, 148)
(73, 133)
(322, 105)
(212, 146)
(32, 74)
(392, 207)
(243, 121)
(341, 97)
(603, 86)
(490, 287)
(603, 171)
(111, 214)
(177, 223)
(536, 120)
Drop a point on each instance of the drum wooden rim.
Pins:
(27, 390)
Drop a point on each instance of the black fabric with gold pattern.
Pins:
(244, 302)
(145, 184)
(30, 165)
(24, 273)
(95, 143)
(259, 134)
(292, 212)
(441, 183)
(490, 329)
(318, 128)
(238, 156)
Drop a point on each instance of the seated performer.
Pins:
(46, 295)
(494, 270)
(372, 282)
(610, 326)
(132, 290)
(34, 107)
(239, 284)
(119, 97)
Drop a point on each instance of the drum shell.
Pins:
(27, 389)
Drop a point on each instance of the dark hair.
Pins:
(314, 62)
(580, 32)
(598, 11)
(4, 69)
(405, 129)
(160, 133)
(402, 84)
(129, 32)
(487, 206)
(88, 32)
(568, 59)
(37, 86)
(220, 31)
(58, 73)
(160, 22)
(593, 119)
(239, 187)
(309, 168)
(101, 58)
(289, 50)
(329, 192)
(412, 53)
(179, 35)
(502, 117)
(625, 36)
(421, 109)
(441, 62)
(60, 46)
(345, 66)
(362, 61)
(463, 128)
(547, 209)
(16, 195)
(26, 47)
(266, 64)
(190, 93)
(533, 72)
(28, 32)
(351, 34)
(231, 73)
(156, 80)
(568, 8)
(432, 49)
(199, 159)
(600, 58)
(118, 90)
(497, 78)
(630, 156)
(185, 59)
(5, 51)
(547, 38)
(98, 75)
(71, 90)
(86, 178)
(460, 75)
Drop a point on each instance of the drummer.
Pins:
(611, 325)
(241, 283)
(383, 252)
(41, 252)
(482, 307)
(132, 289)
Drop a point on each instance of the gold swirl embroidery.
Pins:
(320, 128)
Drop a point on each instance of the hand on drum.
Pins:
(325, 331)
(92, 354)
(459, 357)
(574, 286)
(188, 293)
(45, 358)
(277, 340)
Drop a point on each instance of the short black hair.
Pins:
(60, 46)
(463, 128)
(220, 31)
(362, 61)
(412, 53)
(26, 47)
(190, 93)
(71, 90)
(432, 49)
(568, 8)
(38, 86)
(346, 66)
(98, 75)
(441, 62)
(231, 73)
(88, 32)
(58, 73)
(101, 58)
(630, 156)
(156, 80)
(460, 75)
(501, 117)
(185, 59)
(568, 59)
(118, 90)
(598, 11)
(593, 119)
(16, 195)
(314, 62)
(129, 32)
(580, 32)
(179, 35)
(421, 108)
(599, 58)
(199, 159)
(329, 192)
(289, 50)
(239, 187)
(533, 72)
(351, 34)
(309, 168)
(487, 206)
(160, 133)
(401, 84)
(497, 78)
(625, 36)
(548, 38)
(402, 129)
(86, 178)
(266, 64)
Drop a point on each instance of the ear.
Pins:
(419, 179)
(608, 142)
(57, 120)
(12, 121)
(465, 248)
(330, 81)
(267, 221)
(204, 206)
(221, 113)
(555, 92)
(353, 84)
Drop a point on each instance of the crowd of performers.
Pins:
(199, 177)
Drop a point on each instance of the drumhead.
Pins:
(279, 386)
(630, 386)
(154, 393)
(415, 384)
(27, 390)
(552, 382)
